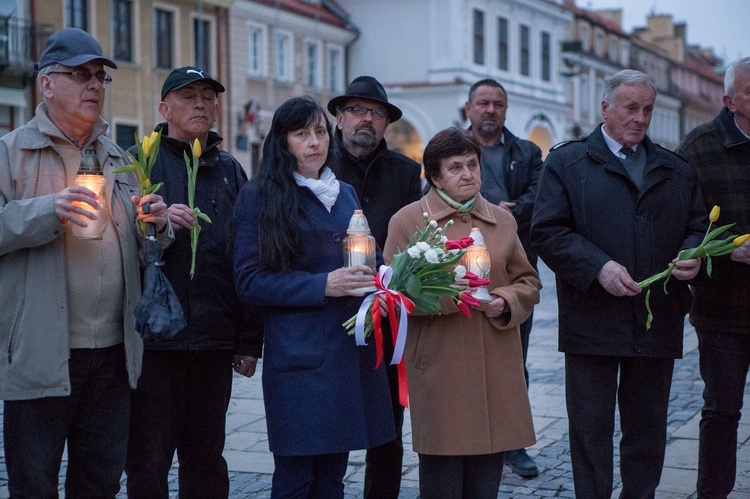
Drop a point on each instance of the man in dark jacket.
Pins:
(614, 208)
(510, 174)
(184, 390)
(385, 182)
(719, 152)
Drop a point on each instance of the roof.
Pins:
(326, 11)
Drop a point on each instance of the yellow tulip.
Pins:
(197, 148)
(146, 146)
(153, 136)
(740, 240)
(714, 216)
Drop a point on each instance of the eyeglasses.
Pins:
(378, 113)
(84, 75)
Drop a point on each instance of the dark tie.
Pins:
(628, 152)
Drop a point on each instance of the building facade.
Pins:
(281, 49)
(429, 54)
(147, 39)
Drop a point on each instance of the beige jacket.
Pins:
(34, 347)
(467, 390)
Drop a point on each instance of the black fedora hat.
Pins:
(365, 87)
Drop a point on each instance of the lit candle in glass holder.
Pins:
(477, 261)
(91, 176)
(359, 245)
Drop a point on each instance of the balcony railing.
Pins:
(20, 45)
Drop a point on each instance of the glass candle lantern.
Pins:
(359, 245)
(91, 176)
(477, 260)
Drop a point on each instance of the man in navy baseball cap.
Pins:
(72, 47)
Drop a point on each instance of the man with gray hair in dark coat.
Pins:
(613, 208)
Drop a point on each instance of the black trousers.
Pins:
(93, 420)
(383, 463)
(724, 362)
(460, 477)
(640, 387)
(180, 405)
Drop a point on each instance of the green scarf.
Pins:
(461, 207)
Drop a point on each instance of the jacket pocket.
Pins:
(14, 329)
(296, 341)
(419, 350)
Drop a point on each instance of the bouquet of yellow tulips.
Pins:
(710, 246)
(192, 170)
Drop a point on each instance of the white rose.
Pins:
(460, 271)
(423, 246)
(431, 256)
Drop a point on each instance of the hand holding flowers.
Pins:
(421, 275)
(711, 246)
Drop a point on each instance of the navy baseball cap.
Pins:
(182, 77)
(72, 47)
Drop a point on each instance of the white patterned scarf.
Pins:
(326, 188)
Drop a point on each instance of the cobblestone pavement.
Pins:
(251, 464)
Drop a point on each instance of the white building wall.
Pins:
(422, 51)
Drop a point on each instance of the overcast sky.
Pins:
(723, 25)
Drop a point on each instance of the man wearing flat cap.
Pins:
(70, 347)
(183, 394)
(385, 182)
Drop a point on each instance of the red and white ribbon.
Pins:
(398, 329)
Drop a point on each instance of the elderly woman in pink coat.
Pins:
(466, 383)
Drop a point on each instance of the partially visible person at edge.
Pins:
(614, 208)
(468, 400)
(385, 181)
(322, 393)
(719, 152)
(510, 175)
(70, 347)
(183, 394)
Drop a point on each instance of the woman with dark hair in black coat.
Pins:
(322, 394)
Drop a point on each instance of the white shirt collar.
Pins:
(615, 146)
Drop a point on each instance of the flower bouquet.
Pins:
(709, 247)
(417, 278)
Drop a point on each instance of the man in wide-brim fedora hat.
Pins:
(385, 182)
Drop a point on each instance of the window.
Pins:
(256, 36)
(584, 36)
(125, 135)
(502, 43)
(122, 24)
(77, 13)
(599, 44)
(202, 43)
(312, 64)
(525, 50)
(164, 34)
(283, 56)
(546, 56)
(584, 97)
(478, 37)
(335, 73)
